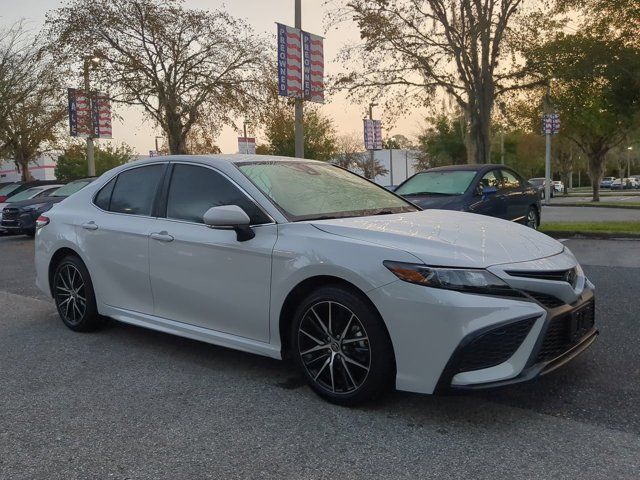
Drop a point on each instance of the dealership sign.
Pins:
(300, 64)
(89, 116)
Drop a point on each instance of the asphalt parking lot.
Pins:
(128, 403)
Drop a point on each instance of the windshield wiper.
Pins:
(426, 193)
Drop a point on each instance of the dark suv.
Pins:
(19, 218)
(493, 190)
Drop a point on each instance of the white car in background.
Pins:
(31, 193)
(558, 186)
(305, 260)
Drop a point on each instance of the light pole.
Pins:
(91, 164)
(629, 149)
(548, 133)
(299, 125)
(157, 148)
(373, 162)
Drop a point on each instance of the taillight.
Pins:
(42, 221)
(2, 198)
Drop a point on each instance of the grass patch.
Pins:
(605, 228)
(598, 204)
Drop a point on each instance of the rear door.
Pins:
(206, 277)
(114, 236)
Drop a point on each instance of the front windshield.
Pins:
(7, 189)
(444, 182)
(306, 191)
(24, 195)
(70, 188)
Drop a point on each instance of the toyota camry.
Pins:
(304, 260)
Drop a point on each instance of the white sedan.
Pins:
(302, 259)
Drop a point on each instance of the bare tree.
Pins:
(32, 104)
(417, 48)
(349, 150)
(182, 66)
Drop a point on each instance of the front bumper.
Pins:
(21, 223)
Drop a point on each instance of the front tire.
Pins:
(74, 296)
(342, 347)
(533, 220)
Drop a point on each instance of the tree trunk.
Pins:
(23, 165)
(596, 170)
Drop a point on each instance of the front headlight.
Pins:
(459, 279)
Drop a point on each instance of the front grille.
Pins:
(546, 300)
(494, 346)
(570, 276)
(10, 214)
(565, 332)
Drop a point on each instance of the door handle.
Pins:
(90, 226)
(162, 237)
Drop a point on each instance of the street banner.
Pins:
(289, 62)
(372, 134)
(313, 67)
(84, 111)
(247, 145)
(551, 123)
(377, 134)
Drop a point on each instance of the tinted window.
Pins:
(135, 190)
(7, 189)
(194, 190)
(509, 180)
(71, 188)
(104, 196)
(491, 179)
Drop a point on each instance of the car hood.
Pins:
(446, 202)
(448, 238)
(35, 201)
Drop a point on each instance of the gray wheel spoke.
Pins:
(317, 348)
(322, 325)
(319, 357)
(346, 329)
(346, 369)
(324, 365)
(354, 340)
(333, 383)
(312, 337)
(357, 364)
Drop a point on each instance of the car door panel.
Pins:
(492, 204)
(207, 278)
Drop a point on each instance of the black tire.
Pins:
(358, 339)
(30, 233)
(77, 310)
(533, 219)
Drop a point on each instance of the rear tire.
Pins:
(74, 296)
(342, 347)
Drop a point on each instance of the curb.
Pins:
(592, 235)
(592, 205)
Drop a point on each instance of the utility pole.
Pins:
(299, 125)
(547, 163)
(629, 161)
(157, 148)
(372, 153)
(87, 90)
(501, 146)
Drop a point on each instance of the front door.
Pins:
(491, 204)
(206, 277)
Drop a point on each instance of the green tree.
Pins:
(596, 89)
(320, 142)
(443, 143)
(72, 163)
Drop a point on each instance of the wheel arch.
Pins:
(55, 260)
(304, 288)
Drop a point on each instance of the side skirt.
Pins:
(191, 331)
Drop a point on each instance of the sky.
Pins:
(262, 15)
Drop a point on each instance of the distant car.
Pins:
(539, 184)
(35, 192)
(606, 182)
(12, 189)
(558, 186)
(629, 183)
(19, 218)
(492, 190)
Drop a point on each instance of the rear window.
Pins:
(71, 188)
(24, 195)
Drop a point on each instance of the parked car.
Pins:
(606, 182)
(34, 192)
(14, 188)
(539, 183)
(19, 218)
(304, 260)
(493, 190)
(629, 183)
(558, 186)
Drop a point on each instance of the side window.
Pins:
(194, 190)
(509, 180)
(135, 190)
(46, 193)
(103, 198)
(490, 179)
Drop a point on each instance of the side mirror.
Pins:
(230, 217)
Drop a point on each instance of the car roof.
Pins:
(467, 167)
(223, 159)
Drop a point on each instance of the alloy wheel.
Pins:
(70, 294)
(334, 347)
(532, 220)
